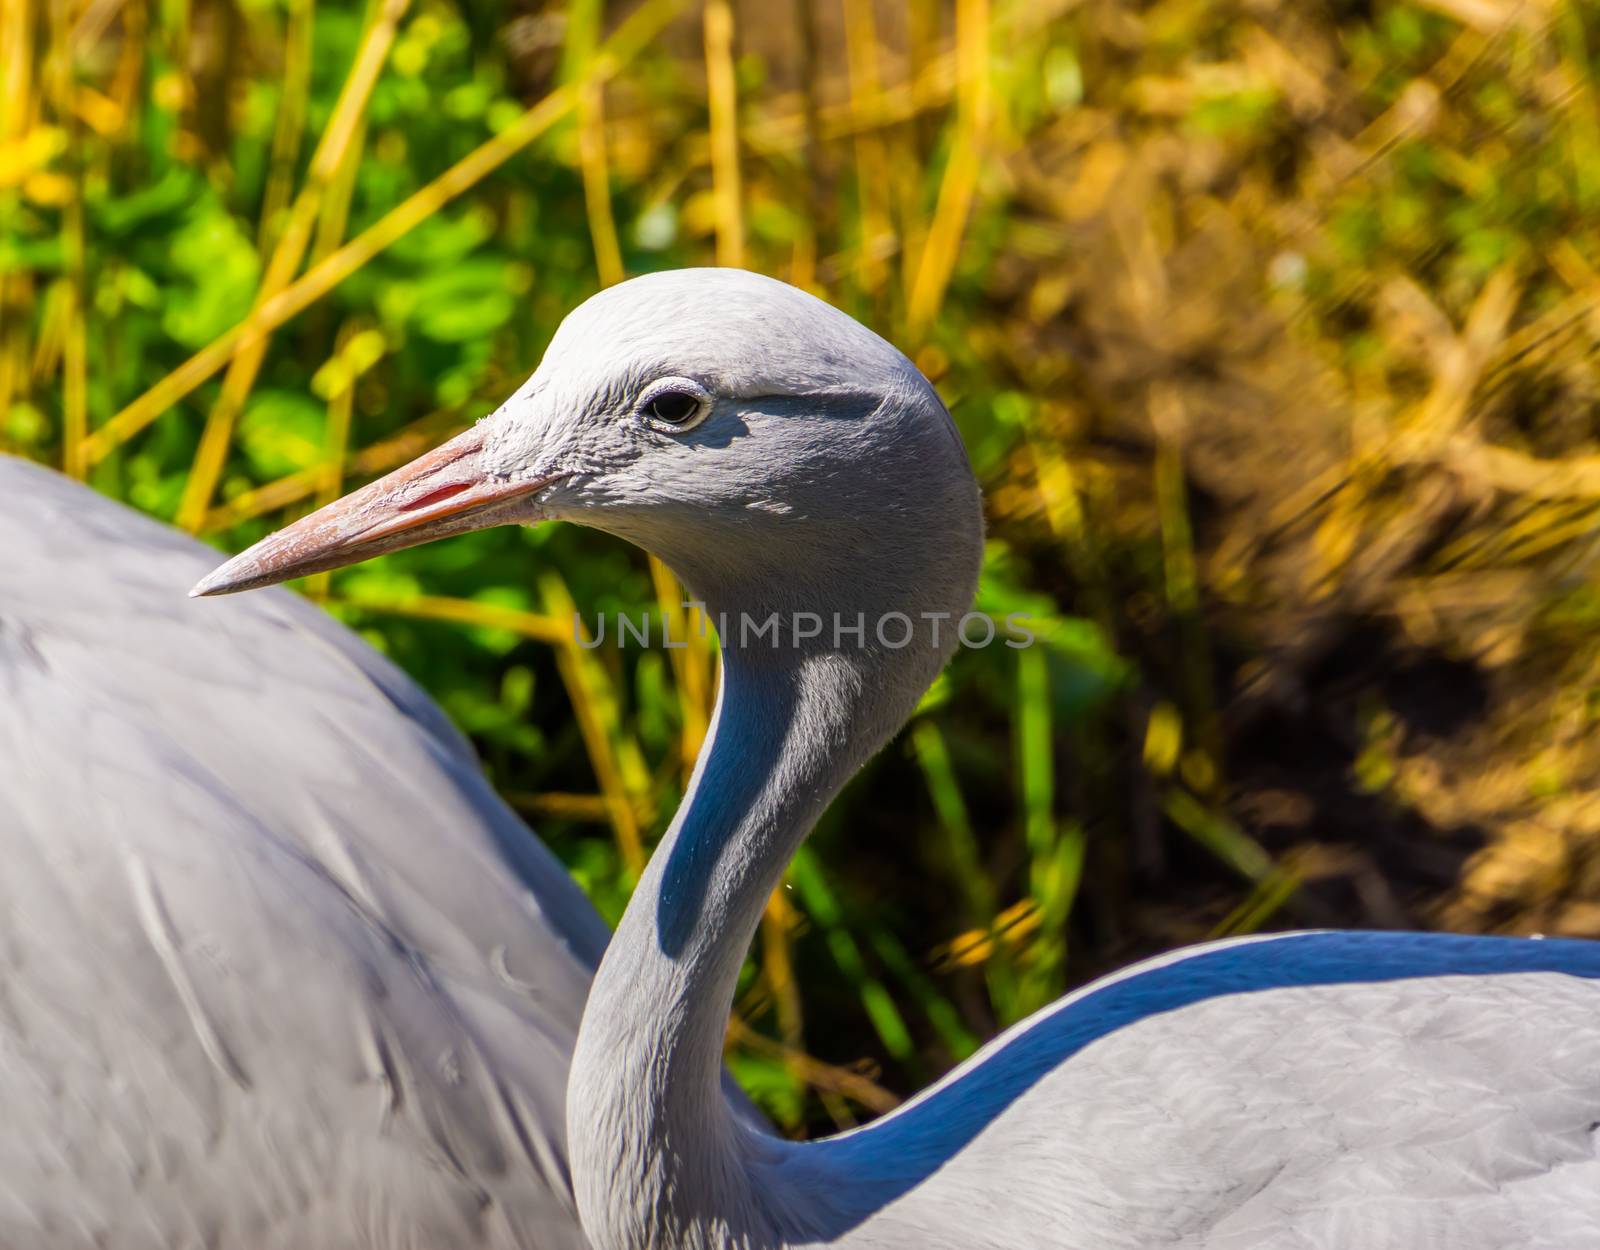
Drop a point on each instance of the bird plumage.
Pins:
(277, 967)
(1322, 1091)
(1302, 1092)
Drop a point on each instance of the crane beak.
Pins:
(447, 491)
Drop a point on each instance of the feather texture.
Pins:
(277, 968)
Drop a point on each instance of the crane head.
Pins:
(757, 439)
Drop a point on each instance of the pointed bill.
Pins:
(447, 491)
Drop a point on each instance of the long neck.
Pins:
(658, 1158)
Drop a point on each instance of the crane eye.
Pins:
(674, 407)
(675, 404)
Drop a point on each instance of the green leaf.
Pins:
(281, 432)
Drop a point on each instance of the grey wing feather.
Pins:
(277, 967)
(1305, 1092)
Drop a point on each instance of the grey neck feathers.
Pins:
(658, 1157)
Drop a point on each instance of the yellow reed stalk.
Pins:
(173, 21)
(127, 80)
(52, 331)
(237, 383)
(1268, 894)
(906, 175)
(408, 444)
(587, 807)
(321, 279)
(691, 664)
(803, 261)
(1574, 477)
(338, 151)
(722, 101)
(16, 69)
(616, 759)
(276, 494)
(1058, 489)
(1433, 431)
(75, 357)
(92, 21)
(818, 210)
(861, 55)
(17, 295)
(1463, 361)
(16, 120)
(956, 189)
(777, 969)
(351, 107)
(780, 125)
(974, 948)
(1062, 496)
(629, 39)
(341, 405)
(535, 625)
(822, 1076)
(922, 36)
(583, 26)
(1558, 521)
(597, 181)
(98, 111)
(75, 334)
(290, 120)
(335, 211)
(7, 373)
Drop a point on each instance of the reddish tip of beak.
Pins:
(445, 491)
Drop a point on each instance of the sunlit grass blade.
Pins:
(293, 98)
(815, 1072)
(818, 899)
(1263, 902)
(542, 627)
(691, 661)
(777, 971)
(967, 871)
(371, 461)
(722, 101)
(75, 333)
(954, 205)
(957, 1037)
(628, 40)
(583, 28)
(874, 226)
(341, 404)
(591, 808)
(325, 189)
(1055, 850)
(1219, 835)
(614, 755)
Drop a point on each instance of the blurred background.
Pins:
(1269, 327)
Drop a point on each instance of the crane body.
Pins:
(277, 967)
